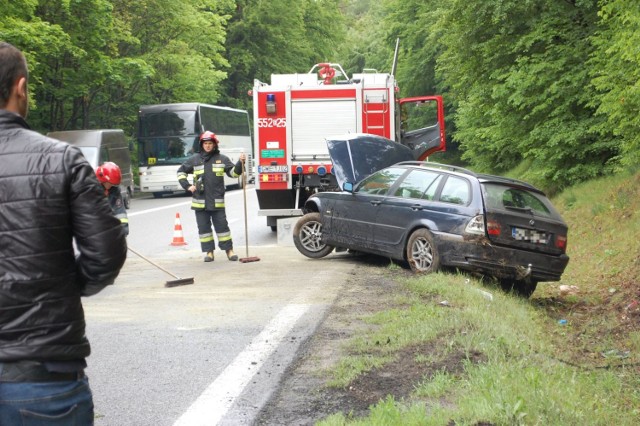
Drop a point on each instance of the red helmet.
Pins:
(208, 136)
(109, 172)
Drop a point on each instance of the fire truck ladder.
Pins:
(375, 98)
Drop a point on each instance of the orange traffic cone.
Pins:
(178, 238)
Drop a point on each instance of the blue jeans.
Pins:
(46, 403)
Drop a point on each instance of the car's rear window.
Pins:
(504, 197)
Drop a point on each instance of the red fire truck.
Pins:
(295, 114)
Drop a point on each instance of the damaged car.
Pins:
(433, 216)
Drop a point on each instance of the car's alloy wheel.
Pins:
(307, 237)
(422, 253)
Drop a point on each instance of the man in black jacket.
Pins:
(208, 189)
(49, 197)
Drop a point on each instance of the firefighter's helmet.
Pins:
(109, 172)
(208, 136)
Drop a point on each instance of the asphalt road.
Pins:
(211, 352)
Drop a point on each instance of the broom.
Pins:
(246, 228)
(172, 283)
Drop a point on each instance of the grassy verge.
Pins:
(478, 356)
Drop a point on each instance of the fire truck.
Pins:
(296, 113)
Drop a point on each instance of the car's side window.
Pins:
(104, 155)
(430, 193)
(455, 190)
(380, 182)
(417, 183)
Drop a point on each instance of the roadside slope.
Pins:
(396, 346)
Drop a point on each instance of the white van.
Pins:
(103, 145)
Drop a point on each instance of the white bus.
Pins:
(168, 134)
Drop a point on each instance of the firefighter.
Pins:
(208, 168)
(110, 176)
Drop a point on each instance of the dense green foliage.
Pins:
(550, 88)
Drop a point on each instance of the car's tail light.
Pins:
(561, 242)
(475, 225)
(493, 228)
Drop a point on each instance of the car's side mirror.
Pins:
(348, 187)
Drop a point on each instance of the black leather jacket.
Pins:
(48, 195)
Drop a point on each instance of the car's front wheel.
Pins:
(307, 237)
(422, 253)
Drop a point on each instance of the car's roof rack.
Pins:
(440, 166)
(491, 178)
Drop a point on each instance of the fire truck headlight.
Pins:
(322, 170)
(299, 169)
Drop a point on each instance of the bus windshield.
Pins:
(166, 137)
(166, 151)
(168, 123)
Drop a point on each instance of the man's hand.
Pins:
(192, 188)
(243, 157)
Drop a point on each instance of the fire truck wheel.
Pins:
(307, 235)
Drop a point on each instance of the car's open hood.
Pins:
(356, 156)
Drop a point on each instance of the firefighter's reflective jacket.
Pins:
(208, 171)
(117, 206)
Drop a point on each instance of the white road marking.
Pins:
(184, 203)
(212, 405)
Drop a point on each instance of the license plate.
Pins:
(167, 188)
(273, 169)
(529, 235)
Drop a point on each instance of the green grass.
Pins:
(508, 360)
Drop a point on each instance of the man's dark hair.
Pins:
(13, 65)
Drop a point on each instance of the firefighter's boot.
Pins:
(209, 257)
(231, 255)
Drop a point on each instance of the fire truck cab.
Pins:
(295, 113)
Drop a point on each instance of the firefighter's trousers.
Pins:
(204, 219)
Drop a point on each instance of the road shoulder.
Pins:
(303, 397)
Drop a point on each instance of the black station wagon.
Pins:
(432, 215)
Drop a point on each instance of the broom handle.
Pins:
(153, 263)
(244, 194)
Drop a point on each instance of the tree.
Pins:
(278, 36)
(182, 41)
(517, 71)
(615, 68)
(37, 39)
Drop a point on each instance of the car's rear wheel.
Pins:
(422, 253)
(307, 237)
(519, 287)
